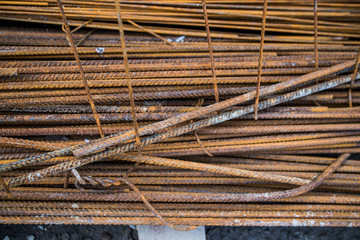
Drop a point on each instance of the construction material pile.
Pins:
(189, 113)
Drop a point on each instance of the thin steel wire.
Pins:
(73, 47)
(316, 50)
(210, 50)
(127, 72)
(151, 32)
(353, 77)
(82, 25)
(260, 59)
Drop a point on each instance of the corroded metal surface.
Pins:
(231, 126)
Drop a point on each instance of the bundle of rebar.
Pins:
(239, 113)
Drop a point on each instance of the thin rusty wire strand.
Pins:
(73, 47)
(210, 50)
(198, 105)
(82, 25)
(108, 182)
(316, 35)
(154, 211)
(201, 145)
(150, 32)
(127, 72)
(131, 169)
(85, 37)
(260, 59)
(353, 77)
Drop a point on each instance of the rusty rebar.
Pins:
(278, 167)
(175, 132)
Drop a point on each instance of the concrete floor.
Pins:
(90, 232)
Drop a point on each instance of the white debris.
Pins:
(74, 205)
(100, 50)
(295, 223)
(180, 39)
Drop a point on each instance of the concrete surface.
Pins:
(82, 232)
(150, 232)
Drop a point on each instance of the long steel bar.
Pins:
(188, 128)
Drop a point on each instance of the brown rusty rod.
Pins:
(179, 206)
(240, 112)
(181, 130)
(119, 212)
(297, 86)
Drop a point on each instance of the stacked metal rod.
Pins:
(199, 159)
(338, 20)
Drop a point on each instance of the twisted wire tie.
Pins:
(198, 105)
(108, 182)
